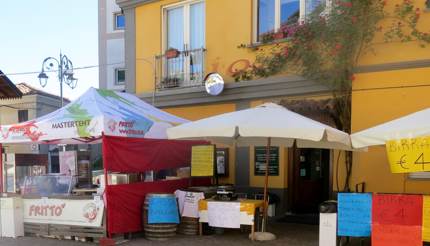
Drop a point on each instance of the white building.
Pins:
(111, 46)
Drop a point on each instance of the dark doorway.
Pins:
(309, 179)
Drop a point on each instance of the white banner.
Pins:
(328, 229)
(224, 214)
(64, 211)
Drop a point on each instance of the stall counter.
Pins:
(246, 215)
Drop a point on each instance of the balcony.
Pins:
(180, 69)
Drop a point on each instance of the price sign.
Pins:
(202, 160)
(397, 220)
(409, 155)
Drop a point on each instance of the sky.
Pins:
(32, 30)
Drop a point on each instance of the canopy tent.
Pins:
(409, 126)
(268, 123)
(134, 140)
(95, 113)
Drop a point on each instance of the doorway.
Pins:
(309, 179)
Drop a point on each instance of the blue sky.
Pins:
(32, 30)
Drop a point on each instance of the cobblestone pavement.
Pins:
(287, 234)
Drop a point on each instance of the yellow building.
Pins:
(171, 45)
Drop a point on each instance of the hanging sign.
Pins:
(163, 210)
(397, 220)
(202, 160)
(426, 218)
(409, 155)
(260, 161)
(354, 214)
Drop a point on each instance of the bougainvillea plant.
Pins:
(326, 47)
(404, 26)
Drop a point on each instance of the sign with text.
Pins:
(163, 210)
(426, 218)
(409, 155)
(354, 214)
(260, 161)
(68, 162)
(63, 211)
(202, 160)
(397, 219)
(224, 214)
(327, 235)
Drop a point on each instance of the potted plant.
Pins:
(278, 35)
(428, 5)
(170, 82)
(172, 53)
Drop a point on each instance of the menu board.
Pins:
(397, 220)
(202, 160)
(260, 161)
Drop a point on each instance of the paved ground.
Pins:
(288, 234)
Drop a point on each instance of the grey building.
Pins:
(20, 160)
(111, 45)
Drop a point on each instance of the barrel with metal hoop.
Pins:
(158, 232)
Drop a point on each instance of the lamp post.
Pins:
(64, 68)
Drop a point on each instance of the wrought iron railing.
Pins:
(180, 69)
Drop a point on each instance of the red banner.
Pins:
(128, 155)
(397, 220)
(125, 202)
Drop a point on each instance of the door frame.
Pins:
(292, 155)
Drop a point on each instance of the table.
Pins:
(247, 212)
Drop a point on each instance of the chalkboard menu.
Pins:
(260, 161)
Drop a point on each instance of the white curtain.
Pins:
(197, 25)
(175, 28)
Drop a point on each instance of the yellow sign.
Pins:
(426, 218)
(409, 155)
(202, 160)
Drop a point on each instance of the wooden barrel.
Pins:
(189, 226)
(158, 232)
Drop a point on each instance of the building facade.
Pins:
(171, 45)
(20, 160)
(111, 45)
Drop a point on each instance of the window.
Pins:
(22, 115)
(273, 14)
(119, 21)
(185, 31)
(119, 76)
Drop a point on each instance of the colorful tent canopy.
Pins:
(95, 113)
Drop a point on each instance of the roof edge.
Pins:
(128, 4)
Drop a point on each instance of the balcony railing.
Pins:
(180, 69)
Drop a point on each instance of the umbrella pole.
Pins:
(266, 184)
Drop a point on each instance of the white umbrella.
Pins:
(410, 126)
(268, 123)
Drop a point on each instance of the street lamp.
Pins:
(64, 67)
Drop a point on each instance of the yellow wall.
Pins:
(204, 111)
(229, 24)
(377, 98)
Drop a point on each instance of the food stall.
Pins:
(128, 129)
